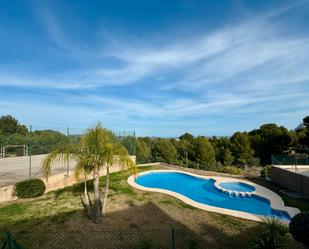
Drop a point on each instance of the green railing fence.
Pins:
(173, 238)
(41, 140)
(297, 159)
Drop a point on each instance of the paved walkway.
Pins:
(15, 169)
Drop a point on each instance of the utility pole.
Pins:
(30, 150)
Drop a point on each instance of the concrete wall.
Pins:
(285, 177)
(55, 181)
(7, 193)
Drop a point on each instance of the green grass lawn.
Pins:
(57, 220)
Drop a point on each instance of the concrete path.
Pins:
(15, 169)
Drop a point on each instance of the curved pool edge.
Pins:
(276, 202)
(227, 191)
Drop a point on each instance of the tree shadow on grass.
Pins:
(117, 186)
(131, 228)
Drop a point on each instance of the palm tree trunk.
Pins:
(106, 191)
(87, 200)
(97, 203)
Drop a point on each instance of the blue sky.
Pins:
(160, 68)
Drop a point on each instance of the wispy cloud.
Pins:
(233, 70)
(207, 59)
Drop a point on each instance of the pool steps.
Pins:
(232, 192)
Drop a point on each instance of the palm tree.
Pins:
(98, 150)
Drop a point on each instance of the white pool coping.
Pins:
(233, 192)
(275, 200)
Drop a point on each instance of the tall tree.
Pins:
(306, 121)
(185, 149)
(305, 139)
(142, 152)
(270, 139)
(98, 150)
(10, 125)
(223, 149)
(163, 151)
(242, 150)
(227, 157)
(184, 152)
(204, 152)
(186, 136)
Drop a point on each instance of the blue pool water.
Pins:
(204, 191)
(237, 186)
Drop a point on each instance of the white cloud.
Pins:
(206, 59)
(235, 69)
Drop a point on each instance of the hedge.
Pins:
(30, 188)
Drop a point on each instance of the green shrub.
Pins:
(231, 170)
(265, 172)
(30, 188)
(254, 161)
(209, 167)
(299, 227)
(273, 235)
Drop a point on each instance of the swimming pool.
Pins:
(237, 186)
(203, 191)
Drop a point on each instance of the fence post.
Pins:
(30, 150)
(135, 143)
(68, 163)
(173, 238)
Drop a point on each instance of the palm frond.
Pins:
(61, 154)
(274, 225)
(122, 157)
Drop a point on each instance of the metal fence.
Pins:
(137, 239)
(128, 140)
(297, 159)
(130, 239)
(40, 140)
